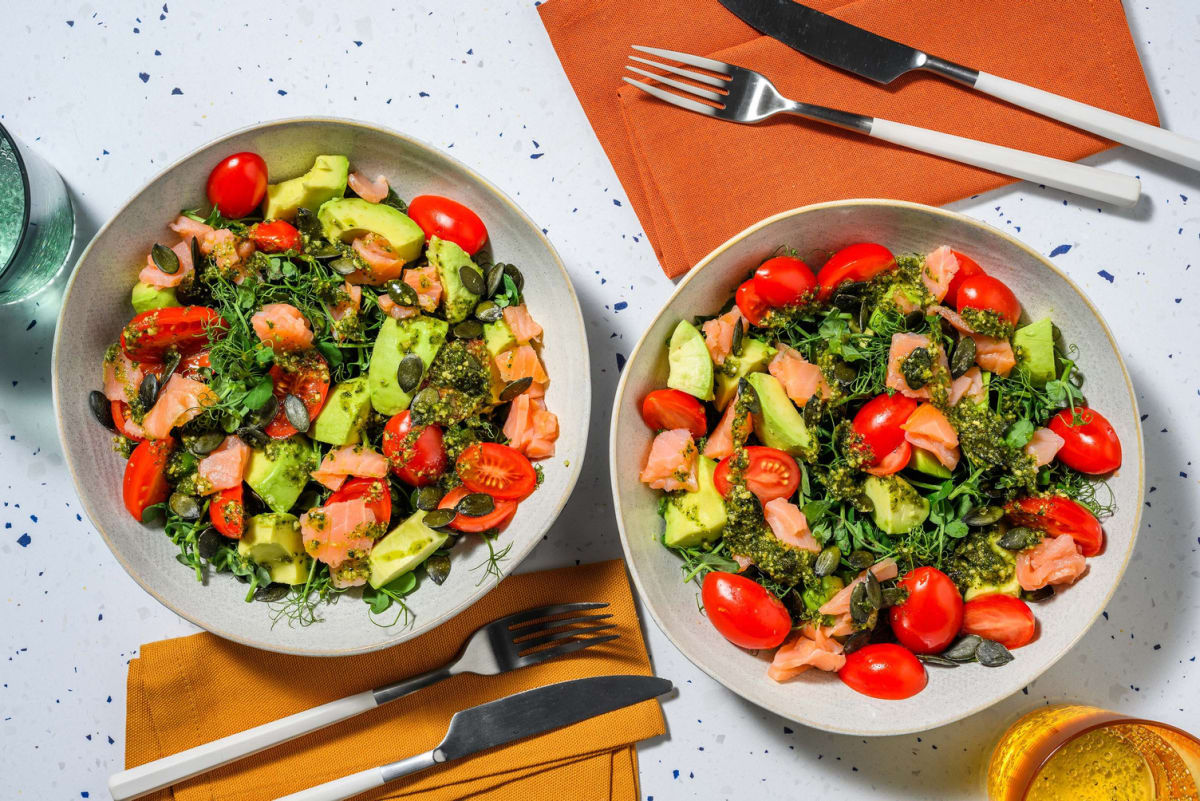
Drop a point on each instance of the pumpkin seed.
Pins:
(324, 252)
(258, 418)
(428, 498)
(208, 543)
(828, 561)
(917, 368)
(983, 516)
(254, 437)
(812, 411)
(439, 518)
(849, 296)
(739, 333)
(992, 654)
(101, 409)
(186, 506)
(515, 274)
(472, 281)
(296, 412)
(860, 560)
(514, 388)
(844, 374)
(424, 405)
(488, 312)
(148, 391)
(477, 504)
(874, 591)
(437, 567)
(197, 256)
(409, 373)
(1038, 595)
(894, 596)
(859, 608)
(401, 293)
(169, 366)
(308, 224)
(864, 315)
(964, 650)
(495, 277)
(935, 659)
(855, 641)
(750, 394)
(204, 443)
(164, 259)
(963, 357)
(1019, 538)
(343, 266)
(271, 593)
(914, 319)
(468, 329)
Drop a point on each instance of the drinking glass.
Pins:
(37, 223)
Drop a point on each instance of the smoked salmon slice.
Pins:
(370, 191)
(349, 460)
(283, 327)
(153, 276)
(902, 346)
(424, 281)
(394, 310)
(178, 402)
(938, 271)
(718, 335)
(671, 464)
(800, 378)
(522, 324)
(789, 525)
(812, 646)
(521, 362)
(995, 355)
(928, 428)
(969, 385)
(350, 305)
(122, 376)
(224, 467)
(1043, 446)
(1056, 560)
(338, 532)
(720, 441)
(530, 428)
(187, 228)
(382, 263)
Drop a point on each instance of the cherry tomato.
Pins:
(185, 328)
(744, 611)
(894, 462)
(878, 423)
(309, 382)
(237, 185)
(191, 365)
(1089, 446)
(145, 481)
(860, 262)
(967, 267)
(498, 518)
(423, 460)
(374, 490)
(750, 303)
(932, 614)
(1059, 515)
(884, 670)
(120, 413)
(448, 219)
(989, 294)
(666, 409)
(771, 473)
(784, 281)
(496, 469)
(276, 236)
(1003, 618)
(227, 512)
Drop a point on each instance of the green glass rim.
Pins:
(25, 210)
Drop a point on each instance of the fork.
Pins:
(749, 97)
(513, 642)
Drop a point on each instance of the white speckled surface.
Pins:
(482, 80)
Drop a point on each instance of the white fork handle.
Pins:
(1092, 182)
(1152, 139)
(338, 789)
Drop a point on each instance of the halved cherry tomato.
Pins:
(770, 474)
(227, 512)
(276, 236)
(1059, 515)
(1003, 618)
(932, 614)
(750, 303)
(191, 364)
(423, 460)
(145, 482)
(496, 469)
(878, 423)
(237, 185)
(894, 462)
(989, 294)
(743, 611)
(860, 262)
(1089, 446)
(185, 328)
(374, 490)
(666, 409)
(784, 281)
(120, 413)
(309, 382)
(884, 670)
(448, 219)
(967, 267)
(498, 518)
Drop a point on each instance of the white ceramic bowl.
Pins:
(818, 699)
(96, 306)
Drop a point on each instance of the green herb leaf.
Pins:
(261, 393)
(1019, 434)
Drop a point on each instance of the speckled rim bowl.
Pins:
(96, 306)
(817, 699)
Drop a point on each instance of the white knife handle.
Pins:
(341, 788)
(1158, 141)
(1092, 182)
(136, 782)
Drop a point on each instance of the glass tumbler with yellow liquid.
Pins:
(1081, 753)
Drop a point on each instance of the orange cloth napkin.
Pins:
(695, 182)
(191, 690)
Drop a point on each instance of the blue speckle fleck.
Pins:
(280, 92)
(1106, 275)
(70, 23)
(1060, 250)
(536, 155)
(32, 323)
(620, 305)
(145, 76)
(24, 540)
(616, 202)
(357, 43)
(422, 94)
(176, 91)
(620, 362)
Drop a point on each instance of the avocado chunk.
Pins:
(342, 219)
(147, 296)
(1035, 344)
(450, 260)
(691, 368)
(421, 335)
(273, 541)
(980, 566)
(779, 424)
(279, 471)
(402, 549)
(925, 462)
(345, 412)
(897, 506)
(755, 356)
(818, 594)
(325, 181)
(498, 337)
(695, 518)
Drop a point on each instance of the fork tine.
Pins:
(569, 647)
(562, 635)
(695, 76)
(674, 99)
(686, 87)
(687, 58)
(527, 631)
(548, 611)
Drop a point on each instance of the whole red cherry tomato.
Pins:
(1090, 443)
(860, 262)
(931, 615)
(771, 473)
(750, 303)
(450, 220)
(667, 409)
(420, 462)
(784, 281)
(238, 184)
(878, 423)
(276, 236)
(1003, 618)
(1059, 515)
(967, 267)
(988, 294)
(884, 670)
(743, 611)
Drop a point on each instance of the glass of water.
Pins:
(37, 223)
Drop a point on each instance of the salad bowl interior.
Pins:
(97, 304)
(819, 699)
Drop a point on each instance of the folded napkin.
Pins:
(191, 690)
(695, 182)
